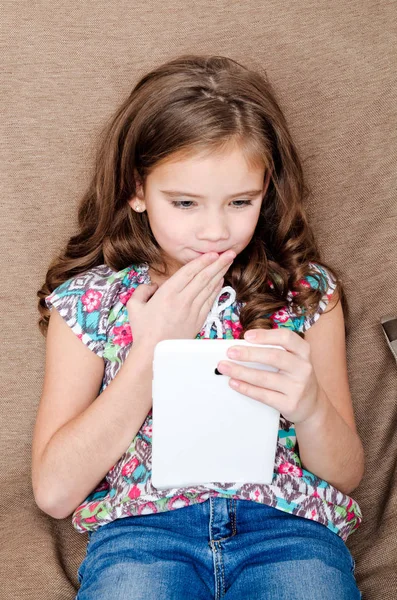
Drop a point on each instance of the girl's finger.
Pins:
(267, 380)
(204, 306)
(186, 274)
(201, 292)
(276, 400)
(282, 336)
(288, 362)
(197, 273)
(204, 296)
(142, 293)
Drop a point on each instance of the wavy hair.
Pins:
(190, 104)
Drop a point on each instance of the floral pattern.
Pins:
(94, 305)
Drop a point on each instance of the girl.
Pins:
(197, 184)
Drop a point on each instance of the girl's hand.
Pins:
(179, 307)
(293, 390)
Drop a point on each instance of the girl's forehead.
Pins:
(229, 160)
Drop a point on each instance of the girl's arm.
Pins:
(311, 390)
(330, 448)
(329, 445)
(78, 435)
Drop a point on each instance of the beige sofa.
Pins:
(67, 66)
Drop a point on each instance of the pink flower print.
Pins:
(313, 513)
(91, 300)
(93, 506)
(91, 519)
(178, 502)
(233, 326)
(130, 467)
(350, 514)
(132, 274)
(236, 329)
(80, 336)
(122, 335)
(125, 296)
(134, 492)
(290, 469)
(294, 293)
(147, 430)
(147, 509)
(281, 315)
(304, 283)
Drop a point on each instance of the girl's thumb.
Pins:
(143, 292)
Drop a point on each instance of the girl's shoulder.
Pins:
(86, 300)
(320, 278)
(101, 278)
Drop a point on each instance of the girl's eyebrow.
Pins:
(172, 193)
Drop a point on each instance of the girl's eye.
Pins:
(245, 203)
(182, 203)
(178, 203)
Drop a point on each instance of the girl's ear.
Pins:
(137, 202)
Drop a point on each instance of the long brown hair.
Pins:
(189, 104)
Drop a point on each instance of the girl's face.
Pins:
(202, 204)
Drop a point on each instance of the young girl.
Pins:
(194, 226)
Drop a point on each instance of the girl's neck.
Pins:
(157, 277)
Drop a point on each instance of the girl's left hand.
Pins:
(293, 391)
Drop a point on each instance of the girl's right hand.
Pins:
(178, 308)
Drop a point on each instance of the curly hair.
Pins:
(190, 104)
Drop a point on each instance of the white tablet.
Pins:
(203, 430)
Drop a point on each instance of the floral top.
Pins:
(93, 304)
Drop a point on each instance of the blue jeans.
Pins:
(220, 548)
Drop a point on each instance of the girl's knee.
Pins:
(301, 579)
(125, 579)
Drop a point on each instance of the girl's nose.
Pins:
(213, 230)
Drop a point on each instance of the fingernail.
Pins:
(250, 335)
(233, 353)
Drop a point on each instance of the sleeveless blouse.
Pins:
(93, 304)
